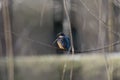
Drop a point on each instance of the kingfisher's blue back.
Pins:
(66, 42)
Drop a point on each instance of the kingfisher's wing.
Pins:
(67, 42)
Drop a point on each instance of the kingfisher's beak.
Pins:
(54, 42)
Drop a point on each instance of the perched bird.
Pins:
(62, 41)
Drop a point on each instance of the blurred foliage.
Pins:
(88, 67)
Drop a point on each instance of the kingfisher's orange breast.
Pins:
(60, 45)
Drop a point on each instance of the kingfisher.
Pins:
(62, 41)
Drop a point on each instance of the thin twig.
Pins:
(107, 66)
(105, 25)
(42, 12)
(51, 46)
(68, 18)
(71, 37)
(100, 36)
(64, 70)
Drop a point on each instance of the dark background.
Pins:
(36, 23)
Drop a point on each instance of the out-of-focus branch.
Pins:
(8, 38)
